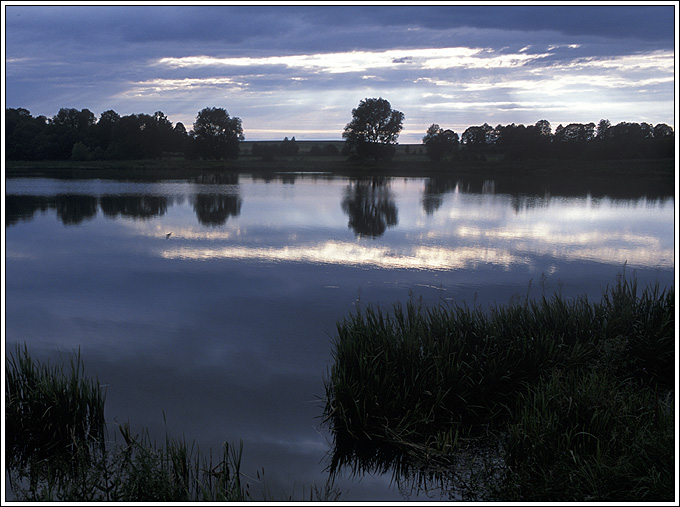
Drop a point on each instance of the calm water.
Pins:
(225, 325)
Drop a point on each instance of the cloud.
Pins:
(162, 86)
(361, 61)
(259, 61)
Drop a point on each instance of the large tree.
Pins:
(374, 129)
(439, 142)
(216, 134)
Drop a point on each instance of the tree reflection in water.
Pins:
(72, 209)
(215, 209)
(136, 206)
(370, 206)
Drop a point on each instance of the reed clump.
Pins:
(58, 447)
(412, 388)
(51, 414)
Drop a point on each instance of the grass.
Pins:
(58, 448)
(413, 387)
(590, 436)
(51, 415)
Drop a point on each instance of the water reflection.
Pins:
(134, 206)
(73, 209)
(461, 225)
(356, 255)
(433, 193)
(370, 206)
(215, 209)
(24, 207)
(225, 326)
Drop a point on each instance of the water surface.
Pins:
(214, 301)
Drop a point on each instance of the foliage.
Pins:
(408, 389)
(439, 142)
(216, 134)
(372, 133)
(374, 129)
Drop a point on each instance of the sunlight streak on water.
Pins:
(349, 254)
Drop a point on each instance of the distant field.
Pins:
(306, 146)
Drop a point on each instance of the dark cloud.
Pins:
(264, 24)
(653, 23)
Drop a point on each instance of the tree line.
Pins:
(78, 135)
(373, 132)
(624, 140)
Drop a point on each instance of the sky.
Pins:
(298, 70)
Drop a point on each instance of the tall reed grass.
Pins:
(51, 415)
(590, 436)
(412, 387)
(57, 446)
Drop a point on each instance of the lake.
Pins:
(212, 302)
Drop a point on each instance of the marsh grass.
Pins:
(57, 445)
(138, 470)
(590, 436)
(51, 415)
(411, 388)
(58, 448)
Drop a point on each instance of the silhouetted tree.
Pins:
(662, 130)
(180, 138)
(165, 132)
(663, 144)
(544, 129)
(439, 143)
(602, 128)
(576, 132)
(474, 140)
(216, 134)
(80, 152)
(570, 141)
(136, 136)
(68, 127)
(75, 134)
(25, 136)
(70, 118)
(374, 129)
(103, 131)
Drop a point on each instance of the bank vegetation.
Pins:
(554, 399)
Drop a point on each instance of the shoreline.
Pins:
(170, 168)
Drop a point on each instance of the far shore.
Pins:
(401, 166)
